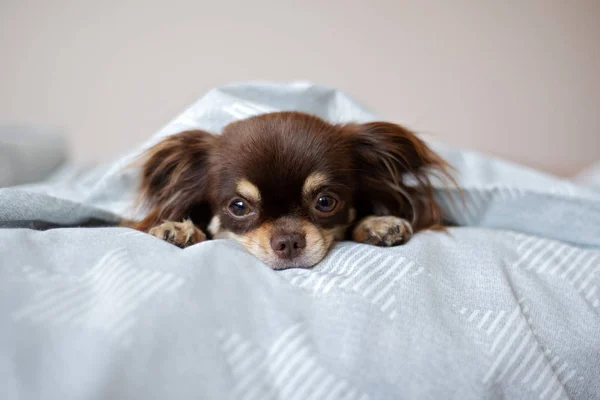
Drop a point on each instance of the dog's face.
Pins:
(283, 186)
(287, 185)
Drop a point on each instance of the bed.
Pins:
(505, 304)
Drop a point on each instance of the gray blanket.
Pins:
(506, 305)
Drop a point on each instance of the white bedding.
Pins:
(506, 305)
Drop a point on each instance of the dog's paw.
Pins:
(382, 231)
(181, 234)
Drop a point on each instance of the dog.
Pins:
(287, 185)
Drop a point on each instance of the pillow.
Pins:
(29, 154)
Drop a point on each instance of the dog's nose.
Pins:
(288, 245)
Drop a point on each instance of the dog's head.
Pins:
(287, 185)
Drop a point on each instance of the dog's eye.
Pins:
(239, 208)
(326, 204)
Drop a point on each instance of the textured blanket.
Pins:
(505, 305)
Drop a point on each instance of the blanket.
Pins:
(505, 304)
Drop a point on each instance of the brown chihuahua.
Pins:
(287, 185)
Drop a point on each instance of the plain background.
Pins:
(517, 79)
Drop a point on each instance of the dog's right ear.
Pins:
(174, 177)
(385, 156)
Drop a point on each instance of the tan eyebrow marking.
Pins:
(313, 182)
(248, 190)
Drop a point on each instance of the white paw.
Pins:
(181, 234)
(382, 231)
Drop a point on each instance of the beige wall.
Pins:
(518, 79)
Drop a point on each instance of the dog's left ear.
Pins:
(393, 170)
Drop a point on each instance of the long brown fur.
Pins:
(388, 154)
(174, 177)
